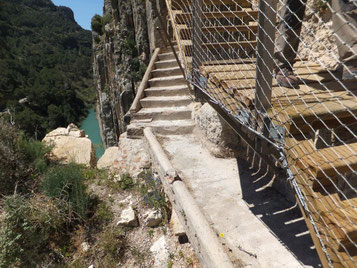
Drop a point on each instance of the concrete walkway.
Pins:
(231, 218)
(218, 187)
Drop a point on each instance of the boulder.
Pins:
(61, 131)
(153, 218)
(70, 145)
(160, 252)
(106, 161)
(128, 218)
(74, 131)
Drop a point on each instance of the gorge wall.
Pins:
(122, 49)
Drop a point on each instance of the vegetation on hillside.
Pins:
(45, 65)
(54, 215)
(45, 208)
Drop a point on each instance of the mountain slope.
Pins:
(45, 65)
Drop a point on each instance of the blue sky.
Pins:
(83, 9)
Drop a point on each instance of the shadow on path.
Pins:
(281, 216)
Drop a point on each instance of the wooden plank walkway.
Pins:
(319, 102)
(317, 106)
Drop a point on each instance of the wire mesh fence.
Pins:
(286, 70)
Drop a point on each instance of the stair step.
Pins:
(166, 64)
(163, 113)
(168, 49)
(173, 80)
(164, 127)
(171, 101)
(167, 56)
(173, 71)
(167, 91)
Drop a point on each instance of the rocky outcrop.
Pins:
(129, 157)
(160, 251)
(153, 218)
(71, 145)
(121, 55)
(318, 42)
(219, 138)
(128, 218)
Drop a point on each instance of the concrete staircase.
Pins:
(165, 105)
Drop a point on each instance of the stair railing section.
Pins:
(290, 83)
(144, 83)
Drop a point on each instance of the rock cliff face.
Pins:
(121, 54)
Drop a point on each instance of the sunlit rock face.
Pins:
(71, 145)
(121, 53)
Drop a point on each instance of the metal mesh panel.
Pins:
(287, 71)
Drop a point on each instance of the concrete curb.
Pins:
(198, 230)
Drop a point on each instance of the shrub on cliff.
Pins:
(21, 160)
(26, 230)
(98, 23)
(43, 205)
(67, 183)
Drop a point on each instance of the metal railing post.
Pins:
(196, 43)
(265, 52)
(264, 70)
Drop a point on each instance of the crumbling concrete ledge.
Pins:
(203, 239)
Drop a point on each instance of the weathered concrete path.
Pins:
(215, 185)
(228, 212)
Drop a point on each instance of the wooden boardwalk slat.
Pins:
(295, 151)
(282, 97)
(238, 67)
(309, 82)
(307, 114)
(238, 44)
(314, 73)
(179, 4)
(332, 216)
(310, 199)
(185, 17)
(329, 161)
(341, 223)
(186, 32)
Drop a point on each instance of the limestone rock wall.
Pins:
(121, 55)
(218, 137)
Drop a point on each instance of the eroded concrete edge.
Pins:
(203, 239)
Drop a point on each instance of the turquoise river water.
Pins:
(91, 127)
